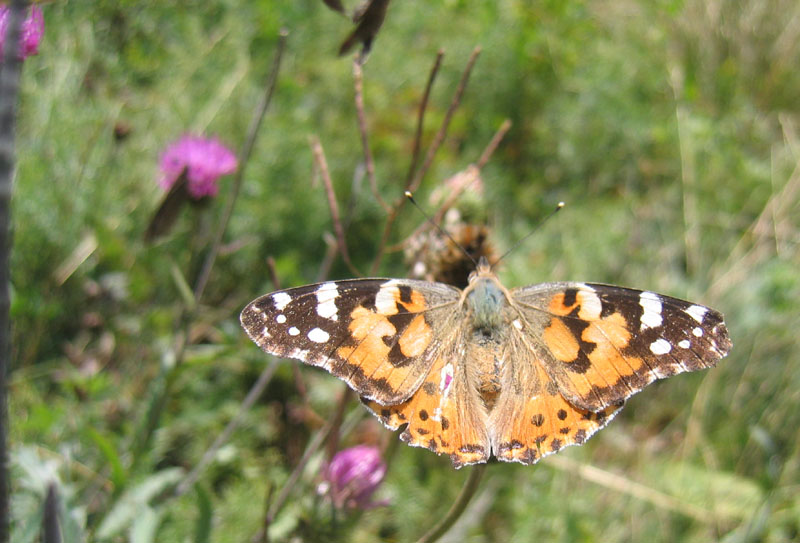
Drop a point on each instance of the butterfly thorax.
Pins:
(487, 299)
(487, 302)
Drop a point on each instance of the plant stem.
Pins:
(247, 403)
(324, 173)
(467, 492)
(369, 162)
(244, 156)
(423, 106)
(9, 91)
(167, 375)
(312, 447)
(413, 183)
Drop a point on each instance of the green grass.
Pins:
(669, 128)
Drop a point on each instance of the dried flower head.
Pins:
(352, 476)
(30, 33)
(431, 256)
(205, 161)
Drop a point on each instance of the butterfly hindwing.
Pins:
(375, 334)
(601, 344)
(445, 415)
(531, 418)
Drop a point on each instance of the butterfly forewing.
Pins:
(601, 344)
(375, 334)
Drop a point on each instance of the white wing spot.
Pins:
(684, 344)
(280, 319)
(660, 346)
(651, 305)
(293, 331)
(326, 301)
(386, 299)
(318, 335)
(697, 331)
(265, 332)
(281, 300)
(697, 312)
(591, 306)
(299, 354)
(663, 372)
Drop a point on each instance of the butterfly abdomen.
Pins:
(489, 319)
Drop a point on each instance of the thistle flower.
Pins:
(205, 161)
(30, 33)
(352, 476)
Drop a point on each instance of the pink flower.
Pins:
(352, 476)
(31, 31)
(205, 161)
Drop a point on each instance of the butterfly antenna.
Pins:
(529, 234)
(439, 228)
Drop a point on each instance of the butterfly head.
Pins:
(482, 269)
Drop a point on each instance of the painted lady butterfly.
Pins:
(483, 371)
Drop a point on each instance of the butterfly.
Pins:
(488, 371)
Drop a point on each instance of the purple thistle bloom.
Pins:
(30, 33)
(205, 161)
(352, 476)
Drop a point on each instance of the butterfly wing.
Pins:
(600, 344)
(446, 414)
(531, 418)
(375, 334)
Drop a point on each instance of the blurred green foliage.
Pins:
(670, 128)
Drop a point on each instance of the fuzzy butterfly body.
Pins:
(487, 371)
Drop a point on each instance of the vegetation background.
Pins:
(670, 128)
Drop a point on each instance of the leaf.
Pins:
(335, 5)
(119, 476)
(134, 502)
(71, 521)
(144, 529)
(202, 532)
(37, 473)
(167, 212)
(36, 479)
(29, 523)
(183, 286)
(726, 494)
(369, 23)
